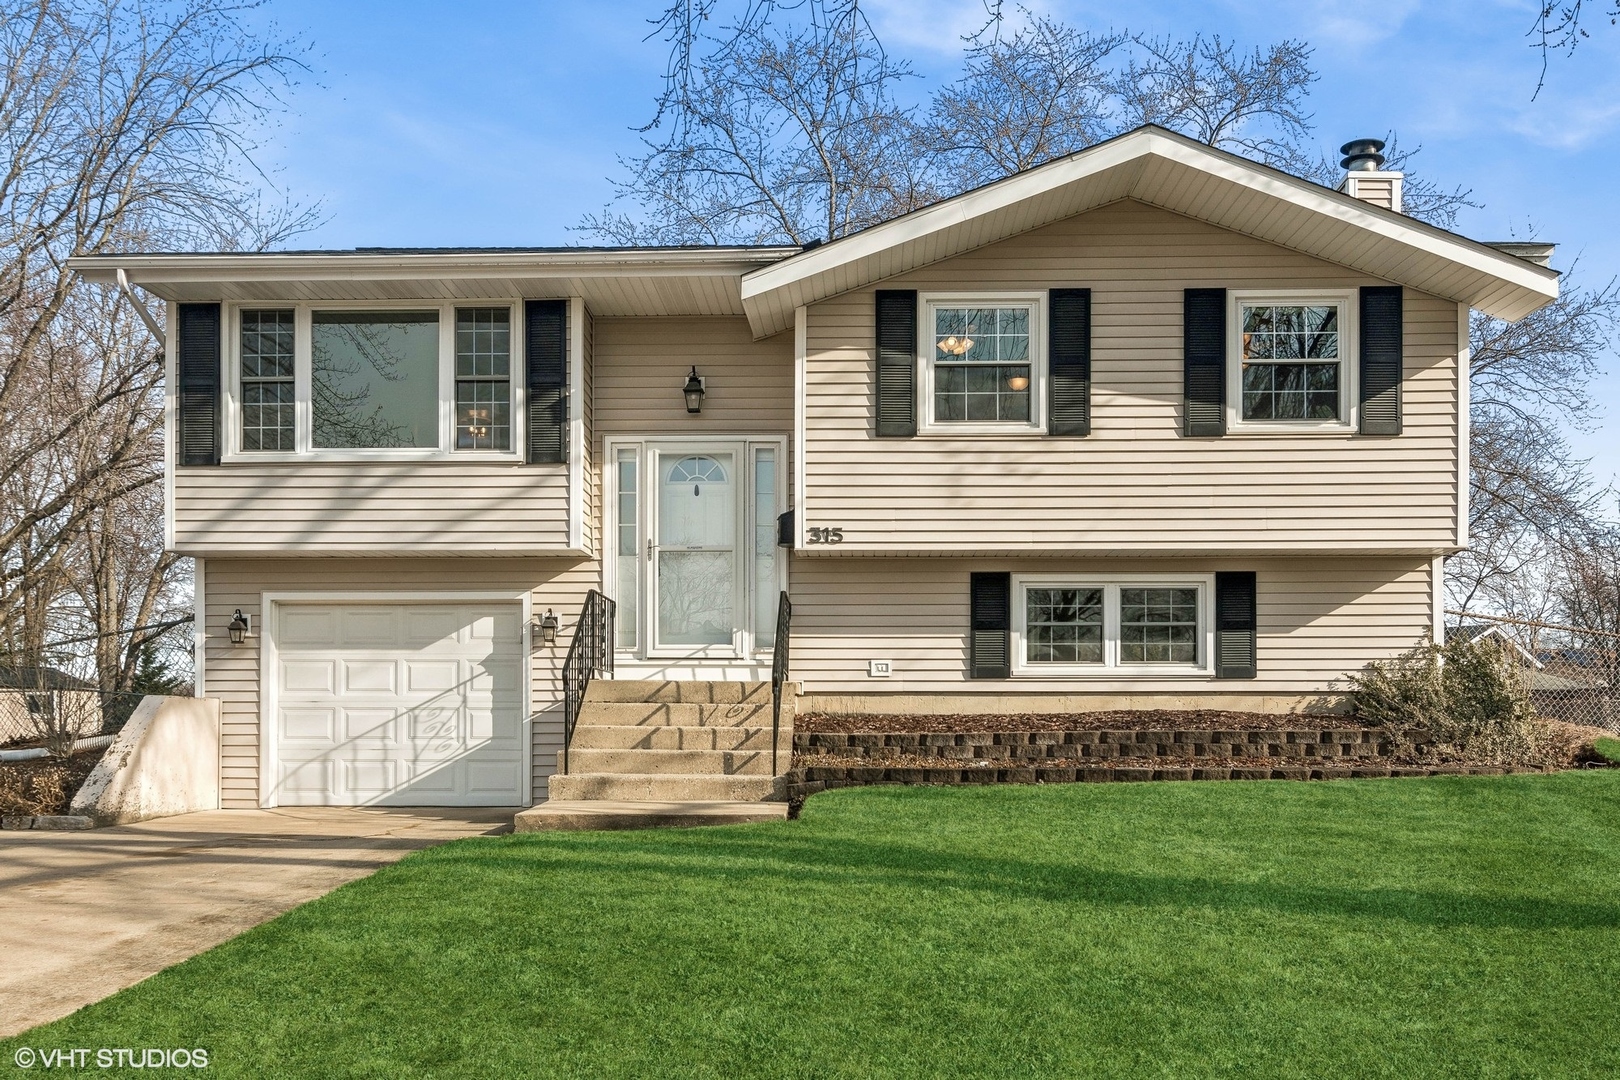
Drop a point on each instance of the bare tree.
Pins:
(1251, 103)
(122, 126)
(1557, 28)
(1042, 92)
(1531, 501)
(1589, 596)
(780, 133)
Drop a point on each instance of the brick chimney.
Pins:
(1365, 177)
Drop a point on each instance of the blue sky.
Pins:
(498, 123)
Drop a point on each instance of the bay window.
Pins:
(375, 382)
(1101, 625)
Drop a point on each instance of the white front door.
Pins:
(693, 546)
(694, 566)
(397, 704)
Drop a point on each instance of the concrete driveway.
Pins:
(85, 914)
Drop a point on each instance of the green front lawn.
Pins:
(1445, 927)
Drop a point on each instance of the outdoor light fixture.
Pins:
(544, 630)
(239, 627)
(693, 391)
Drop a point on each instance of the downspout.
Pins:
(140, 308)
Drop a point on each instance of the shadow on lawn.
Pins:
(780, 861)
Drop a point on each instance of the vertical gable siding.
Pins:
(1136, 484)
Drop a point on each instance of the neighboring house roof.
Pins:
(1151, 165)
(1158, 167)
(1476, 631)
(42, 678)
(1541, 680)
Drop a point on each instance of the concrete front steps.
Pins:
(649, 753)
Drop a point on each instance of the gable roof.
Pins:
(1161, 168)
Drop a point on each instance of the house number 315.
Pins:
(825, 536)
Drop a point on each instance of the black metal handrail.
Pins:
(779, 671)
(589, 654)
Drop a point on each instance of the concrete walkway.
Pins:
(83, 915)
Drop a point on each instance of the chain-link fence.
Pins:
(1572, 674)
(56, 717)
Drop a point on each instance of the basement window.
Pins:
(1149, 624)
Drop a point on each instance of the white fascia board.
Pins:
(956, 211)
(273, 266)
(795, 276)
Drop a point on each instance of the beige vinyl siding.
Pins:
(365, 507)
(233, 670)
(1135, 485)
(1319, 618)
(589, 464)
(640, 365)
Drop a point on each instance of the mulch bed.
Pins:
(45, 786)
(1118, 720)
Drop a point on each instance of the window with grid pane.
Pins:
(483, 378)
(1292, 365)
(1158, 626)
(268, 408)
(1064, 626)
(981, 364)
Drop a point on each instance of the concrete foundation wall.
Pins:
(165, 761)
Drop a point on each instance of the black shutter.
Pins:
(546, 363)
(198, 428)
(991, 626)
(1204, 361)
(1069, 362)
(1235, 625)
(1381, 358)
(896, 363)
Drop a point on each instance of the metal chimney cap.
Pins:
(1362, 155)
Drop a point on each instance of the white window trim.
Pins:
(1349, 353)
(1111, 584)
(1036, 303)
(741, 651)
(303, 432)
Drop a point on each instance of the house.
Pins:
(1151, 425)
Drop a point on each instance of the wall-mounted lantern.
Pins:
(239, 627)
(544, 630)
(694, 391)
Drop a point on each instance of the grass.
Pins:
(1456, 926)
(1608, 749)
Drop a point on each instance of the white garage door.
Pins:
(398, 704)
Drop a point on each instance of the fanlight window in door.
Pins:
(697, 470)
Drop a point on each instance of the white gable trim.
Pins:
(1160, 168)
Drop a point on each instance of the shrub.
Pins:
(39, 790)
(1465, 700)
